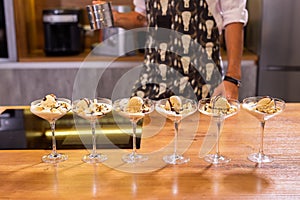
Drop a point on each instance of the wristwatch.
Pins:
(233, 80)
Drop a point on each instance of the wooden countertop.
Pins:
(39, 56)
(23, 176)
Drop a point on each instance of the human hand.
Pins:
(98, 2)
(227, 89)
(231, 90)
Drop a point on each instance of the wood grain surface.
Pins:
(24, 176)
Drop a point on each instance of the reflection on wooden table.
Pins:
(24, 176)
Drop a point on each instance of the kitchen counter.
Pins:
(39, 75)
(40, 61)
(24, 176)
(39, 57)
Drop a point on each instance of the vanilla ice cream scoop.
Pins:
(174, 104)
(49, 101)
(266, 105)
(219, 105)
(83, 105)
(219, 102)
(50, 108)
(91, 107)
(135, 105)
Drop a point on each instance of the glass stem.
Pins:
(176, 123)
(133, 137)
(52, 125)
(219, 123)
(93, 127)
(261, 148)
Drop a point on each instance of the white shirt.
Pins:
(224, 11)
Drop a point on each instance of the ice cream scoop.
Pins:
(219, 102)
(50, 107)
(135, 105)
(174, 104)
(49, 101)
(218, 106)
(266, 105)
(82, 105)
(91, 107)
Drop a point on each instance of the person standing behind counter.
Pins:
(198, 20)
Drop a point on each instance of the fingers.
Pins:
(226, 89)
(232, 91)
(219, 90)
(98, 2)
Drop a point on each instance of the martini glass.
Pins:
(188, 107)
(51, 115)
(250, 105)
(206, 106)
(92, 110)
(120, 106)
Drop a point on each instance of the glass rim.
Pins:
(58, 99)
(261, 97)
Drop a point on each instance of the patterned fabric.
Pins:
(182, 51)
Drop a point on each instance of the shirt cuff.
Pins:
(235, 15)
(139, 7)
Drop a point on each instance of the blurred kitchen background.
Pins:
(273, 34)
(30, 67)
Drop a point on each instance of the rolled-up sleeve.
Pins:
(140, 6)
(233, 11)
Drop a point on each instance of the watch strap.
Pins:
(233, 80)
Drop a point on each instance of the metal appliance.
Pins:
(12, 134)
(273, 33)
(8, 47)
(116, 41)
(100, 15)
(63, 30)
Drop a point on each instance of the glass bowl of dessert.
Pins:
(262, 108)
(135, 109)
(51, 108)
(176, 108)
(92, 110)
(218, 108)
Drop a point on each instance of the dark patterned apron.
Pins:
(182, 51)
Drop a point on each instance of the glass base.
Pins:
(94, 158)
(260, 158)
(216, 159)
(54, 158)
(134, 158)
(175, 159)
